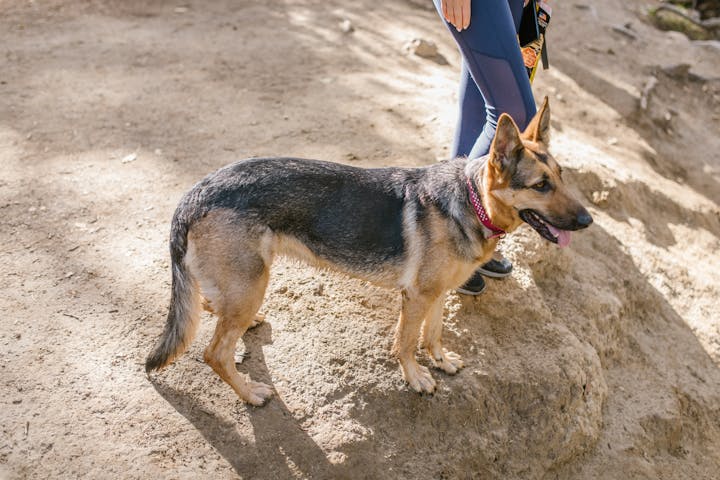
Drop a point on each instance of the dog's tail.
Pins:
(184, 313)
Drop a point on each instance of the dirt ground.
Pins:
(598, 361)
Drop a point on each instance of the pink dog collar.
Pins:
(481, 213)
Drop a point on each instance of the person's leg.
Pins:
(491, 43)
(471, 115)
(491, 55)
(498, 70)
(471, 104)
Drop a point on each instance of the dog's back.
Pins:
(349, 216)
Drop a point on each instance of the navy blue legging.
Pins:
(493, 79)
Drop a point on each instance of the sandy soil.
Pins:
(598, 361)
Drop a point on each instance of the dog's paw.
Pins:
(257, 393)
(450, 362)
(259, 318)
(419, 378)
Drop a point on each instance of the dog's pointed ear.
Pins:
(506, 145)
(539, 128)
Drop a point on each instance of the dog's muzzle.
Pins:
(556, 232)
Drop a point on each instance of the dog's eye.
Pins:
(541, 186)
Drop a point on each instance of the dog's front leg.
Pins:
(415, 308)
(450, 362)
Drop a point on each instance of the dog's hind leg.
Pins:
(238, 312)
(450, 362)
(414, 308)
(230, 256)
(259, 317)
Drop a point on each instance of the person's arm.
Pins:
(457, 13)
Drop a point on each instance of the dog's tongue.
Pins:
(563, 236)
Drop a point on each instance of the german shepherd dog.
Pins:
(422, 231)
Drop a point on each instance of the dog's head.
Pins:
(523, 182)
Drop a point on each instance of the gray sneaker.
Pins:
(496, 268)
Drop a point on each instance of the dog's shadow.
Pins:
(281, 448)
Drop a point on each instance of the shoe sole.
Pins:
(491, 274)
(469, 292)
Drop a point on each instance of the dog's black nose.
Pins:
(583, 219)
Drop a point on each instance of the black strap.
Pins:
(544, 55)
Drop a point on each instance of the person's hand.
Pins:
(457, 13)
